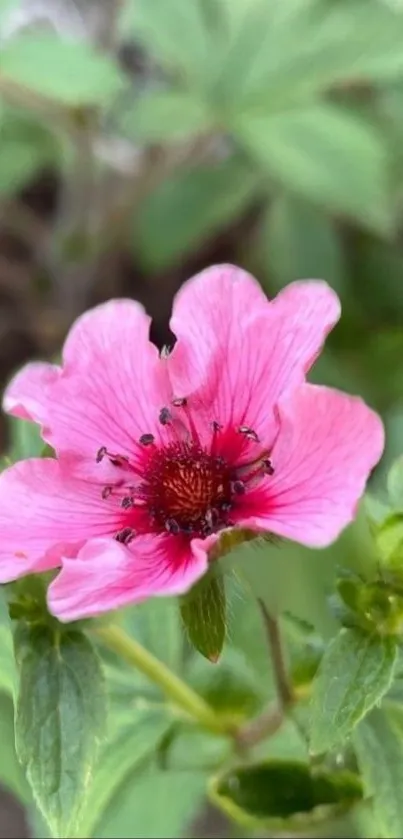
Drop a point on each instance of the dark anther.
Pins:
(180, 402)
(146, 439)
(216, 426)
(172, 526)
(249, 433)
(106, 492)
(226, 507)
(268, 466)
(101, 454)
(238, 487)
(127, 502)
(165, 416)
(125, 536)
(118, 460)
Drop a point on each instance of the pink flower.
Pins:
(158, 454)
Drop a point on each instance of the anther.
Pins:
(226, 507)
(125, 536)
(127, 502)
(146, 439)
(106, 492)
(172, 526)
(238, 487)
(249, 433)
(165, 416)
(268, 466)
(118, 460)
(216, 426)
(180, 402)
(101, 454)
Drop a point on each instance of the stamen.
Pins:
(125, 536)
(127, 502)
(216, 426)
(165, 416)
(101, 454)
(179, 402)
(172, 526)
(249, 433)
(118, 459)
(268, 467)
(238, 487)
(146, 439)
(106, 492)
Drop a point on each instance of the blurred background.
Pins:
(143, 140)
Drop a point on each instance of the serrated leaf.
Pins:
(60, 720)
(203, 612)
(284, 793)
(135, 736)
(186, 208)
(311, 150)
(354, 674)
(378, 742)
(70, 72)
(299, 240)
(166, 116)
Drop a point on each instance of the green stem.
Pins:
(174, 688)
(284, 688)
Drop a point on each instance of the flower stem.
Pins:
(174, 688)
(270, 720)
(284, 688)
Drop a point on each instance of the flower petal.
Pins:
(110, 390)
(46, 513)
(327, 446)
(238, 356)
(27, 395)
(107, 575)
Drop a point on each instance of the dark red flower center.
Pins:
(182, 486)
(187, 489)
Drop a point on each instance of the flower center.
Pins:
(181, 486)
(187, 489)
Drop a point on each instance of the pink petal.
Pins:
(327, 446)
(107, 575)
(46, 513)
(110, 391)
(240, 352)
(27, 395)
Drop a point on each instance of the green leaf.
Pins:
(299, 240)
(378, 742)
(26, 440)
(282, 53)
(135, 736)
(154, 803)
(395, 484)
(325, 154)
(185, 209)
(11, 774)
(203, 613)
(174, 32)
(354, 674)
(7, 661)
(71, 73)
(166, 116)
(60, 719)
(26, 148)
(284, 793)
